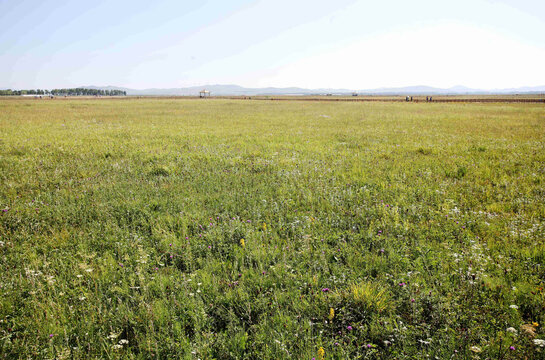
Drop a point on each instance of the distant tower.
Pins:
(204, 93)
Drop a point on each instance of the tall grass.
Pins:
(420, 225)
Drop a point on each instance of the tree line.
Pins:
(65, 92)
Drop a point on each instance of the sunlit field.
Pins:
(233, 229)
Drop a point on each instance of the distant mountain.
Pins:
(236, 90)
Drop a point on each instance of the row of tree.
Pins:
(65, 92)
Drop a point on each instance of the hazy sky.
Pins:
(356, 44)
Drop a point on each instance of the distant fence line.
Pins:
(418, 99)
(435, 100)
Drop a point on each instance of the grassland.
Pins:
(222, 229)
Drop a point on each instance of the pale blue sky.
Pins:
(315, 43)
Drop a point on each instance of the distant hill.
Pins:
(236, 90)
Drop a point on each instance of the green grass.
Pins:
(420, 225)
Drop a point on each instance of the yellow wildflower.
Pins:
(242, 243)
(536, 324)
(331, 313)
(321, 353)
(264, 226)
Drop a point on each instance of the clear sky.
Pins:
(355, 44)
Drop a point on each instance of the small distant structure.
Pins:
(355, 94)
(204, 93)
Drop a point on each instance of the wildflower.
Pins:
(321, 353)
(331, 313)
(51, 335)
(539, 342)
(475, 349)
(402, 284)
(242, 243)
(123, 342)
(535, 324)
(117, 347)
(513, 307)
(511, 348)
(369, 346)
(349, 328)
(325, 289)
(511, 330)
(264, 226)
(413, 300)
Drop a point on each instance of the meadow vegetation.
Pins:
(232, 229)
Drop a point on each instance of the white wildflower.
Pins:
(539, 342)
(475, 349)
(117, 346)
(123, 342)
(512, 330)
(513, 306)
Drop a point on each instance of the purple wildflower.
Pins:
(325, 289)
(349, 328)
(511, 348)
